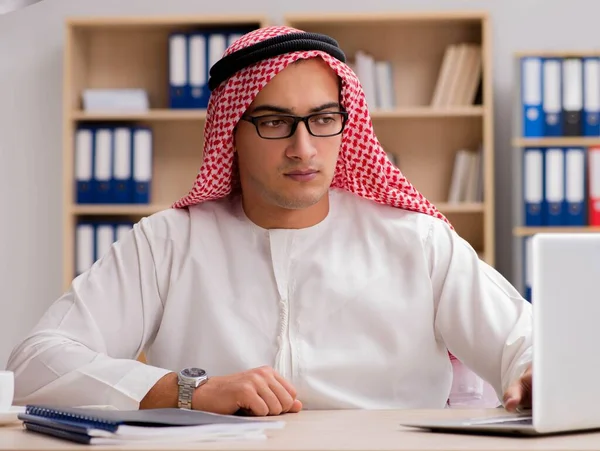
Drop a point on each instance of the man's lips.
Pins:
(306, 172)
(302, 176)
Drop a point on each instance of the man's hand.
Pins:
(260, 392)
(518, 395)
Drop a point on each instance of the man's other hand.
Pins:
(518, 395)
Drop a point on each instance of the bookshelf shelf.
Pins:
(466, 207)
(158, 114)
(529, 231)
(118, 210)
(558, 53)
(413, 18)
(133, 209)
(557, 142)
(161, 22)
(425, 137)
(165, 114)
(428, 112)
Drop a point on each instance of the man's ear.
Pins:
(234, 133)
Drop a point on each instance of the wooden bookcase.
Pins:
(426, 138)
(131, 52)
(521, 232)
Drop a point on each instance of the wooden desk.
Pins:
(341, 430)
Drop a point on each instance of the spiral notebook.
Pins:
(104, 427)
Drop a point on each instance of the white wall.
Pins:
(31, 42)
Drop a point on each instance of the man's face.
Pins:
(293, 172)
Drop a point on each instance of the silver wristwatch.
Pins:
(188, 380)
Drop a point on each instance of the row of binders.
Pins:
(377, 80)
(466, 183)
(191, 55)
(560, 96)
(93, 240)
(561, 186)
(113, 164)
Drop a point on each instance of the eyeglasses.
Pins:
(281, 126)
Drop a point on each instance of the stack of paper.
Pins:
(114, 427)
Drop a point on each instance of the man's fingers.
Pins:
(271, 400)
(256, 405)
(284, 397)
(250, 400)
(286, 384)
(513, 396)
(296, 406)
(526, 389)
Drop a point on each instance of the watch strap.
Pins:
(186, 393)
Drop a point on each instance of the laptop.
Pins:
(565, 270)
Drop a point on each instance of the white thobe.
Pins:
(358, 311)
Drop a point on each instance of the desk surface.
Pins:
(341, 430)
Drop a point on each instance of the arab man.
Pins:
(302, 270)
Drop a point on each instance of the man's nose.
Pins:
(302, 146)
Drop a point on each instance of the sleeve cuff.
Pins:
(132, 388)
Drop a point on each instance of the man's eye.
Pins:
(272, 123)
(325, 120)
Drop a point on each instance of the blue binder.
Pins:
(198, 92)
(103, 155)
(178, 71)
(554, 186)
(552, 97)
(85, 246)
(531, 97)
(84, 165)
(142, 165)
(576, 186)
(122, 179)
(527, 267)
(591, 96)
(104, 233)
(533, 186)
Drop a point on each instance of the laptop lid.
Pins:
(566, 331)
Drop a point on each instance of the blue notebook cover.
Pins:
(110, 420)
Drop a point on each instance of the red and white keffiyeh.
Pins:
(363, 167)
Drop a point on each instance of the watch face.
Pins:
(193, 372)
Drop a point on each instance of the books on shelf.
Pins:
(93, 240)
(142, 427)
(459, 78)
(560, 96)
(377, 80)
(466, 183)
(458, 83)
(113, 164)
(115, 100)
